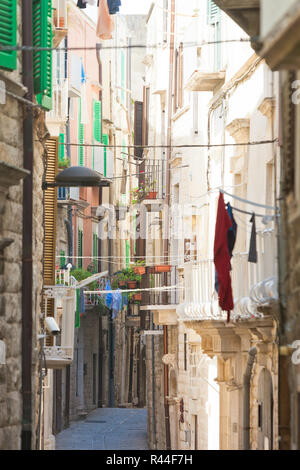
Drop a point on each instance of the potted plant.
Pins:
(160, 268)
(139, 267)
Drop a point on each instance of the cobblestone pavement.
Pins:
(106, 429)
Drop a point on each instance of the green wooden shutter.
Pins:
(42, 60)
(213, 12)
(127, 253)
(105, 142)
(97, 120)
(61, 147)
(8, 33)
(80, 247)
(80, 137)
(62, 258)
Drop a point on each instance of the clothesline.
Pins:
(246, 201)
(149, 289)
(99, 47)
(251, 213)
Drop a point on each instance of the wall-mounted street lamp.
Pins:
(77, 176)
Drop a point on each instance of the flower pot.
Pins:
(137, 297)
(139, 270)
(162, 269)
(151, 195)
(60, 23)
(122, 284)
(132, 284)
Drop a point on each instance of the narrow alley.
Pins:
(106, 429)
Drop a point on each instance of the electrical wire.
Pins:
(244, 144)
(100, 48)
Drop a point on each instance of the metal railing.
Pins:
(59, 15)
(152, 179)
(253, 284)
(157, 280)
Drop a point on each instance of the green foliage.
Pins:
(65, 163)
(80, 274)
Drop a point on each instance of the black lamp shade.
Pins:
(78, 176)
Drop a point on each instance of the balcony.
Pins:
(60, 303)
(152, 177)
(254, 285)
(70, 197)
(205, 81)
(161, 303)
(60, 21)
(245, 13)
(59, 112)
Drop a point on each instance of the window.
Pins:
(80, 248)
(127, 253)
(97, 120)
(8, 33)
(214, 19)
(42, 59)
(80, 138)
(178, 79)
(185, 351)
(165, 20)
(61, 147)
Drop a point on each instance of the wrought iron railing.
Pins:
(158, 281)
(253, 284)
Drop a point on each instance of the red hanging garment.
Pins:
(222, 257)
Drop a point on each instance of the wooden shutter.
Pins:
(61, 148)
(127, 253)
(42, 60)
(97, 120)
(50, 212)
(213, 12)
(138, 128)
(105, 141)
(62, 258)
(80, 138)
(79, 247)
(8, 33)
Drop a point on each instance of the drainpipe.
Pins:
(27, 323)
(153, 387)
(168, 188)
(69, 220)
(246, 397)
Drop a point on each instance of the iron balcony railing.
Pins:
(158, 280)
(252, 284)
(152, 179)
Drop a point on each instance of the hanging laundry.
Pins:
(109, 297)
(105, 24)
(82, 3)
(113, 6)
(232, 232)
(231, 239)
(82, 301)
(252, 258)
(222, 257)
(84, 106)
(116, 305)
(77, 315)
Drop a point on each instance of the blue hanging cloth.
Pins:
(113, 6)
(109, 297)
(116, 303)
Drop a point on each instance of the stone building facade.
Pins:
(12, 210)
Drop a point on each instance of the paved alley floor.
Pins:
(106, 429)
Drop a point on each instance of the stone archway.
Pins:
(265, 411)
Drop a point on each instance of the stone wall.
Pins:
(11, 215)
